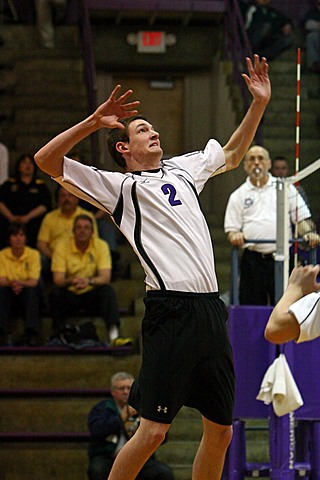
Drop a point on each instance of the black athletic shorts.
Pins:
(186, 358)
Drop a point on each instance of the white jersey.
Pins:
(307, 312)
(253, 211)
(159, 213)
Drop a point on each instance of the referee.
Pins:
(187, 359)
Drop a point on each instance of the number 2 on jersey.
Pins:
(169, 189)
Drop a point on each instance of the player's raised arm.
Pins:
(282, 325)
(50, 157)
(258, 84)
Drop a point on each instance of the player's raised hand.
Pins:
(115, 108)
(304, 279)
(258, 81)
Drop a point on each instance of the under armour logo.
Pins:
(163, 409)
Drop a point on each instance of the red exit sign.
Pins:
(151, 42)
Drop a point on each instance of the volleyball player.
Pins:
(297, 314)
(186, 359)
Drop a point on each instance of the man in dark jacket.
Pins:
(112, 422)
(269, 31)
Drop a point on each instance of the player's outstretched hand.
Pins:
(304, 279)
(258, 81)
(114, 109)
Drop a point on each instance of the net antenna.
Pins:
(297, 161)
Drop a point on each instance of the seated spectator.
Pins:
(269, 31)
(106, 228)
(57, 224)
(112, 422)
(311, 22)
(19, 285)
(4, 163)
(48, 13)
(24, 199)
(81, 268)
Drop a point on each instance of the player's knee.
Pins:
(219, 437)
(225, 437)
(156, 434)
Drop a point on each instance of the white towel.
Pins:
(278, 386)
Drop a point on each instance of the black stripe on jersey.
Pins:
(118, 211)
(137, 237)
(193, 188)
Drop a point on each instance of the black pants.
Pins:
(100, 301)
(256, 279)
(28, 301)
(100, 467)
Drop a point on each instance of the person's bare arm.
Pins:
(60, 279)
(258, 84)
(50, 157)
(44, 248)
(282, 325)
(307, 230)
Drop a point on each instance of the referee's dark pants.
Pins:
(256, 279)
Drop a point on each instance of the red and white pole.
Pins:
(297, 161)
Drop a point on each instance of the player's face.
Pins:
(144, 144)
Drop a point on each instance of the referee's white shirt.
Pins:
(159, 213)
(253, 211)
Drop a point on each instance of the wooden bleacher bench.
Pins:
(29, 437)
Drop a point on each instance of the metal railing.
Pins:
(234, 280)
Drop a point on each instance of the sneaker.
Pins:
(122, 342)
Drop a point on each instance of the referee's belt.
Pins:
(263, 256)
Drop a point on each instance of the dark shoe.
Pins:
(27, 340)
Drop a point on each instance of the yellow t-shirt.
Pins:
(20, 268)
(68, 259)
(55, 226)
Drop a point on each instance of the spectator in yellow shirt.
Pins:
(58, 224)
(81, 268)
(20, 268)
